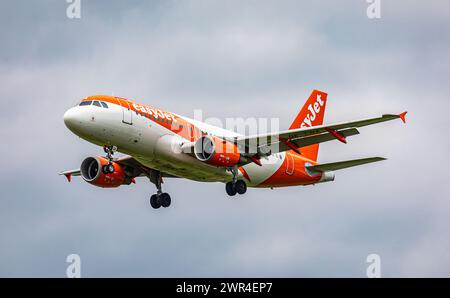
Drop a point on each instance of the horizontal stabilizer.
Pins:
(343, 164)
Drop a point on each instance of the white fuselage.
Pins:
(156, 146)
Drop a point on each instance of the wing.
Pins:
(71, 173)
(302, 137)
(315, 139)
(138, 168)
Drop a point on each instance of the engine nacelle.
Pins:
(216, 151)
(91, 172)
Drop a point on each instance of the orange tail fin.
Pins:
(311, 115)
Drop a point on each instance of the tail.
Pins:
(311, 115)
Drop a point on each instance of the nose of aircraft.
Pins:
(69, 118)
(87, 121)
(73, 119)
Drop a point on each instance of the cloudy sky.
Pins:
(230, 59)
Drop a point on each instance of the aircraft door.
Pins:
(290, 164)
(127, 115)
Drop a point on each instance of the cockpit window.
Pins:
(96, 103)
(85, 103)
(104, 104)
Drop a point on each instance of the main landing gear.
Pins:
(109, 168)
(235, 186)
(160, 199)
(239, 187)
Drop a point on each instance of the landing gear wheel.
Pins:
(165, 199)
(108, 169)
(241, 187)
(154, 202)
(230, 187)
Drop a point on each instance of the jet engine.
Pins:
(91, 172)
(216, 151)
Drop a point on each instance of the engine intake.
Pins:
(216, 151)
(91, 172)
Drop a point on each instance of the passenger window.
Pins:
(85, 103)
(96, 103)
(104, 104)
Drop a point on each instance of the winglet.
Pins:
(69, 177)
(403, 116)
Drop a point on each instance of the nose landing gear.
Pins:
(160, 199)
(109, 168)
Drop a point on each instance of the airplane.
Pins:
(158, 144)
